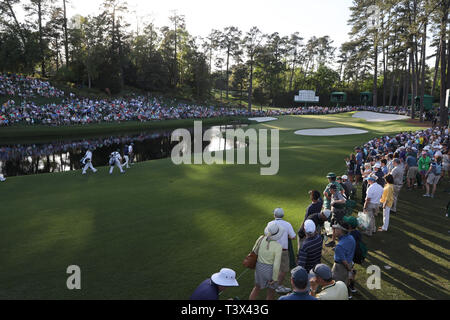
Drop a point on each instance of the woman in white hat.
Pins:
(269, 253)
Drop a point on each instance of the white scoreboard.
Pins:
(306, 96)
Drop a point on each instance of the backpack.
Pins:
(360, 252)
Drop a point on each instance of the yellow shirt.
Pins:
(270, 254)
(388, 195)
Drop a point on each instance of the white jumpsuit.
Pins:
(115, 159)
(87, 161)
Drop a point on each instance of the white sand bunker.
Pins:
(378, 117)
(262, 119)
(329, 132)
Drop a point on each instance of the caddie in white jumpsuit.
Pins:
(87, 161)
(114, 160)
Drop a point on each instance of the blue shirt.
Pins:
(345, 249)
(411, 161)
(298, 296)
(207, 290)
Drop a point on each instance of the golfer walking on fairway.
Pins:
(114, 160)
(87, 161)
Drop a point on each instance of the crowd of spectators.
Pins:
(383, 165)
(77, 110)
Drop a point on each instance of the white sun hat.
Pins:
(225, 278)
(273, 231)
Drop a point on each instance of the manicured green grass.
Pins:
(159, 230)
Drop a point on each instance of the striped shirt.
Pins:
(310, 253)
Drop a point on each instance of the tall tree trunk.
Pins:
(443, 34)
(41, 38)
(228, 66)
(375, 73)
(250, 86)
(422, 82)
(436, 69)
(66, 37)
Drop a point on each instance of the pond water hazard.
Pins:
(66, 155)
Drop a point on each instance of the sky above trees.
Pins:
(311, 18)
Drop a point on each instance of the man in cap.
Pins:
(411, 168)
(87, 161)
(125, 157)
(327, 194)
(397, 173)
(344, 253)
(372, 202)
(289, 233)
(211, 287)
(299, 282)
(322, 276)
(423, 166)
(349, 188)
(310, 252)
(114, 160)
(319, 219)
(379, 173)
(337, 211)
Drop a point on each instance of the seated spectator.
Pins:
(211, 287)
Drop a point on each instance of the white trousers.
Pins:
(89, 165)
(125, 164)
(386, 213)
(117, 164)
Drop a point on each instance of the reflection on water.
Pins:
(60, 156)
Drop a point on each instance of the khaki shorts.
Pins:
(412, 172)
(433, 179)
(284, 265)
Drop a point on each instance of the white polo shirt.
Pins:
(374, 193)
(288, 232)
(336, 291)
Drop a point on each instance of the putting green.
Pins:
(159, 230)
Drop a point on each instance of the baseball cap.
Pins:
(377, 165)
(372, 178)
(300, 277)
(278, 213)
(322, 271)
(310, 226)
(352, 221)
(344, 177)
(326, 213)
(331, 175)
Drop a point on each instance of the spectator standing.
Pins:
(337, 211)
(343, 254)
(372, 203)
(269, 261)
(433, 176)
(387, 199)
(398, 174)
(288, 233)
(310, 253)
